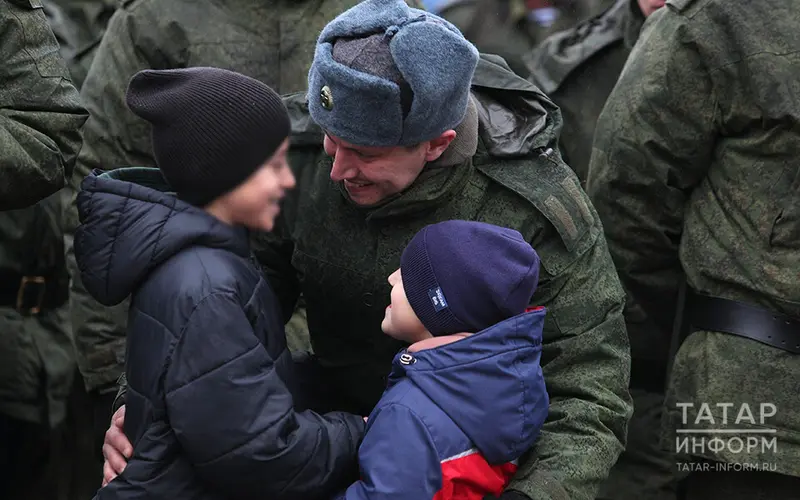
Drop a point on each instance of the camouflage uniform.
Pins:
(507, 27)
(339, 255)
(578, 68)
(41, 113)
(79, 26)
(695, 173)
(39, 141)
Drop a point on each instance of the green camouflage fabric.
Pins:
(40, 111)
(502, 27)
(695, 174)
(79, 26)
(577, 68)
(37, 362)
(339, 256)
(271, 41)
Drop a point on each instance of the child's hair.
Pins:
(462, 276)
(211, 128)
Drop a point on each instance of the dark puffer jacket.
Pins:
(209, 409)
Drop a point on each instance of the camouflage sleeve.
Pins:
(40, 112)
(653, 145)
(135, 39)
(586, 363)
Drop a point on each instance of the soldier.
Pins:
(79, 26)
(578, 67)
(511, 28)
(271, 41)
(42, 115)
(39, 140)
(414, 156)
(696, 176)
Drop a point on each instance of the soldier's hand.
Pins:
(116, 448)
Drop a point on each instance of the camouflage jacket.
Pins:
(506, 27)
(79, 26)
(339, 255)
(41, 115)
(696, 174)
(36, 354)
(577, 68)
(271, 41)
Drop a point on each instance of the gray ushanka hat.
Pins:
(385, 74)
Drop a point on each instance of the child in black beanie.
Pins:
(209, 408)
(467, 398)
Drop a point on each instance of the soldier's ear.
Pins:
(438, 145)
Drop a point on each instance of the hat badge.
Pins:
(326, 97)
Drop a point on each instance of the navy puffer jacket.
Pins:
(209, 408)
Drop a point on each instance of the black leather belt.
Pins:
(30, 295)
(736, 318)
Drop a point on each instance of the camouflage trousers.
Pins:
(644, 471)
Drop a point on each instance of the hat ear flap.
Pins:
(438, 65)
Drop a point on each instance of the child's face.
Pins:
(256, 202)
(400, 321)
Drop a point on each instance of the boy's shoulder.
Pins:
(407, 400)
(191, 275)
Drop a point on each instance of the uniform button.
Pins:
(367, 298)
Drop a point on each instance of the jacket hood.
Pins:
(131, 223)
(516, 118)
(494, 372)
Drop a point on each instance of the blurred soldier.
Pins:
(578, 68)
(696, 174)
(511, 28)
(39, 140)
(79, 26)
(271, 41)
(41, 113)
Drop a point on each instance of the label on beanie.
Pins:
(437, 298)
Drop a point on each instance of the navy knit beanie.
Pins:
(211, 128)
(385, 74)
(462, 276)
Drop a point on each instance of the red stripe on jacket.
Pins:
(468, 476)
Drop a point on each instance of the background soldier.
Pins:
(696, 174)
(579, 67)
(511, 28)
(39, 140)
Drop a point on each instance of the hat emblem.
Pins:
(326, 97)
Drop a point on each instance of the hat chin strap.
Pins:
(465, 144)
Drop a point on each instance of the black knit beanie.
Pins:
(212, 128)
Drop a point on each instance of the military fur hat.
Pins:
(385, 74)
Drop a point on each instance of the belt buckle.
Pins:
(22, 294)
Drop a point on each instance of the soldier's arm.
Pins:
(136, 39)
(40, 112)
(586, 366)
(653, 145)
